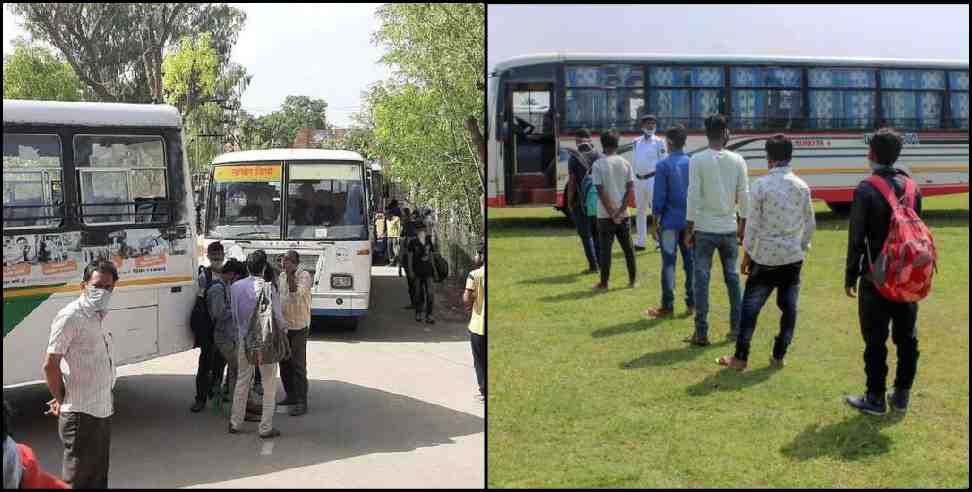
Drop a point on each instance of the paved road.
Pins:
(391, 405)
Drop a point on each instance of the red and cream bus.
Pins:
(828, 106)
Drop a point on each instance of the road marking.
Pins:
(267, 449)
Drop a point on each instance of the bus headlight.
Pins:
(341, 281)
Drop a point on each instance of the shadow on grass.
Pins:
(567, 278)
(621, 329)
(858, 437)
(730, 380)
(574, 296)
(671, 357)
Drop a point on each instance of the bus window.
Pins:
(685, 95)
(30, 164)
(245, 202)
(842, 109)
(767, 98)
(123, 178)
(913, 99)
(326, 201)
(959, 100)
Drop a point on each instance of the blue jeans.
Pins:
(671, 244)
(728, 247)
(583, 224)
(785, 279)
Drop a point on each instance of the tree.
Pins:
(190, 73)
(279, 128)
(116, 49)
(34, 72)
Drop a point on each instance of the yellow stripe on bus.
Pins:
(864, 170)
(73, 287)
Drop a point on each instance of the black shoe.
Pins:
(273, 433)
(430, 321)
(298, 410)
(286, 402)
(898, 400)
(418, 319)
(868, 404)
(198, 406)
(640, 248)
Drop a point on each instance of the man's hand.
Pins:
(747, 265)
(259, 358)
(54, 408)
(851, 292)
(657, 234)
(689, 239)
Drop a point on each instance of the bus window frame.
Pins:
(210, 196)
(40, 229)
(167, 201)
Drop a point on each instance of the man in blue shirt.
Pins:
(669, 206)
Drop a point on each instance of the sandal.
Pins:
(732, 363)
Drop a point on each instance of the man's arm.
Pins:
(856, 237)
(622, 209)
(54, 379)
(742, 198)
(753, 226)
(660, 196)
(809, 221)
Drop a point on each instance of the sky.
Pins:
(885, 31)
(317, 50)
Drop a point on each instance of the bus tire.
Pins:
(842, 209)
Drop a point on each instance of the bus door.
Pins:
(531, 154)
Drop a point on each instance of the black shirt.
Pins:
(869, 222)
(578, 170)
(422, 256)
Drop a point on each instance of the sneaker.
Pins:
(418, 318)
(689, 311)
(429, 320)
(269, 435)
(198, 406)
(697, 341)
(233, 430)
(868, 404)
(640, 248)
(899, 399)
(659, 313)
(776, 363)
(634, 285)
(599, 287)
(732, 363)
(298, 410)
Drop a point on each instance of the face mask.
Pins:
(648, 131)
(99, 298)
(217, 264)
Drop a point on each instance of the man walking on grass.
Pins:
(614, 180)
(671, 188)
(718, 187)
(779, 226)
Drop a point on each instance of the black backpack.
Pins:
(201, 324)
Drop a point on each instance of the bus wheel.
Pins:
(841, 209)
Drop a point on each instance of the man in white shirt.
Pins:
(718, 189)
(649, 149)
(83, 400)
(614, 181)
(779, 226)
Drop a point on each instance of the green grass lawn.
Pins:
(585, 392)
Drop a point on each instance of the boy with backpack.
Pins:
(422, 264)
(211, 363)
(891, 254)
(580, 187)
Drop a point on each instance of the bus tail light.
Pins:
(342, 281)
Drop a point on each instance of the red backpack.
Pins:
(903, 271)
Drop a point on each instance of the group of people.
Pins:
(704, 204)
(411, 245)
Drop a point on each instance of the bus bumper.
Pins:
(342, 313)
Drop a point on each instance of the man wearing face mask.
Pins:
(580, 166)
(83, 401)
(648, 150)
(209, 375)
(423, 268)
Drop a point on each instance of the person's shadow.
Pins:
(671, 357)
(856, 438)
(630, 327)
(730, 380)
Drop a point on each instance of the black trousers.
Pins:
(607, 231)
(423, 296)
(293, 371)
(876, 313)
(478, 343)
(210, 360)
(87, 444)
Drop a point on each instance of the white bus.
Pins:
(85, 181)
(312, 201)
(829, 106)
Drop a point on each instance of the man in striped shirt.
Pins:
(294, 285)
(82, 395)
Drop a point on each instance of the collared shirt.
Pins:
(243, 298)
(296, 305)
(671, 191)
(88, 368)
(476, 282)
(718, 184)
(613, 173)
(647, 152)
(781, 219)
(224, 331)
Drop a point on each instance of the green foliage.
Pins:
(437, 53)
(190, 72)
(34, 72)
(279, 128)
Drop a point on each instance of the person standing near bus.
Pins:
(779, 226)
(669, 203)
(409, 221)
(718, 187)
(394, 237)
(576, 198)
(421, 256)
(209, 372)
(294, 285)
(648, 150)
(83, 400)
(474, 298)
(614, 181)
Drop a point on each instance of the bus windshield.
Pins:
(326, 201)
(245, 202)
